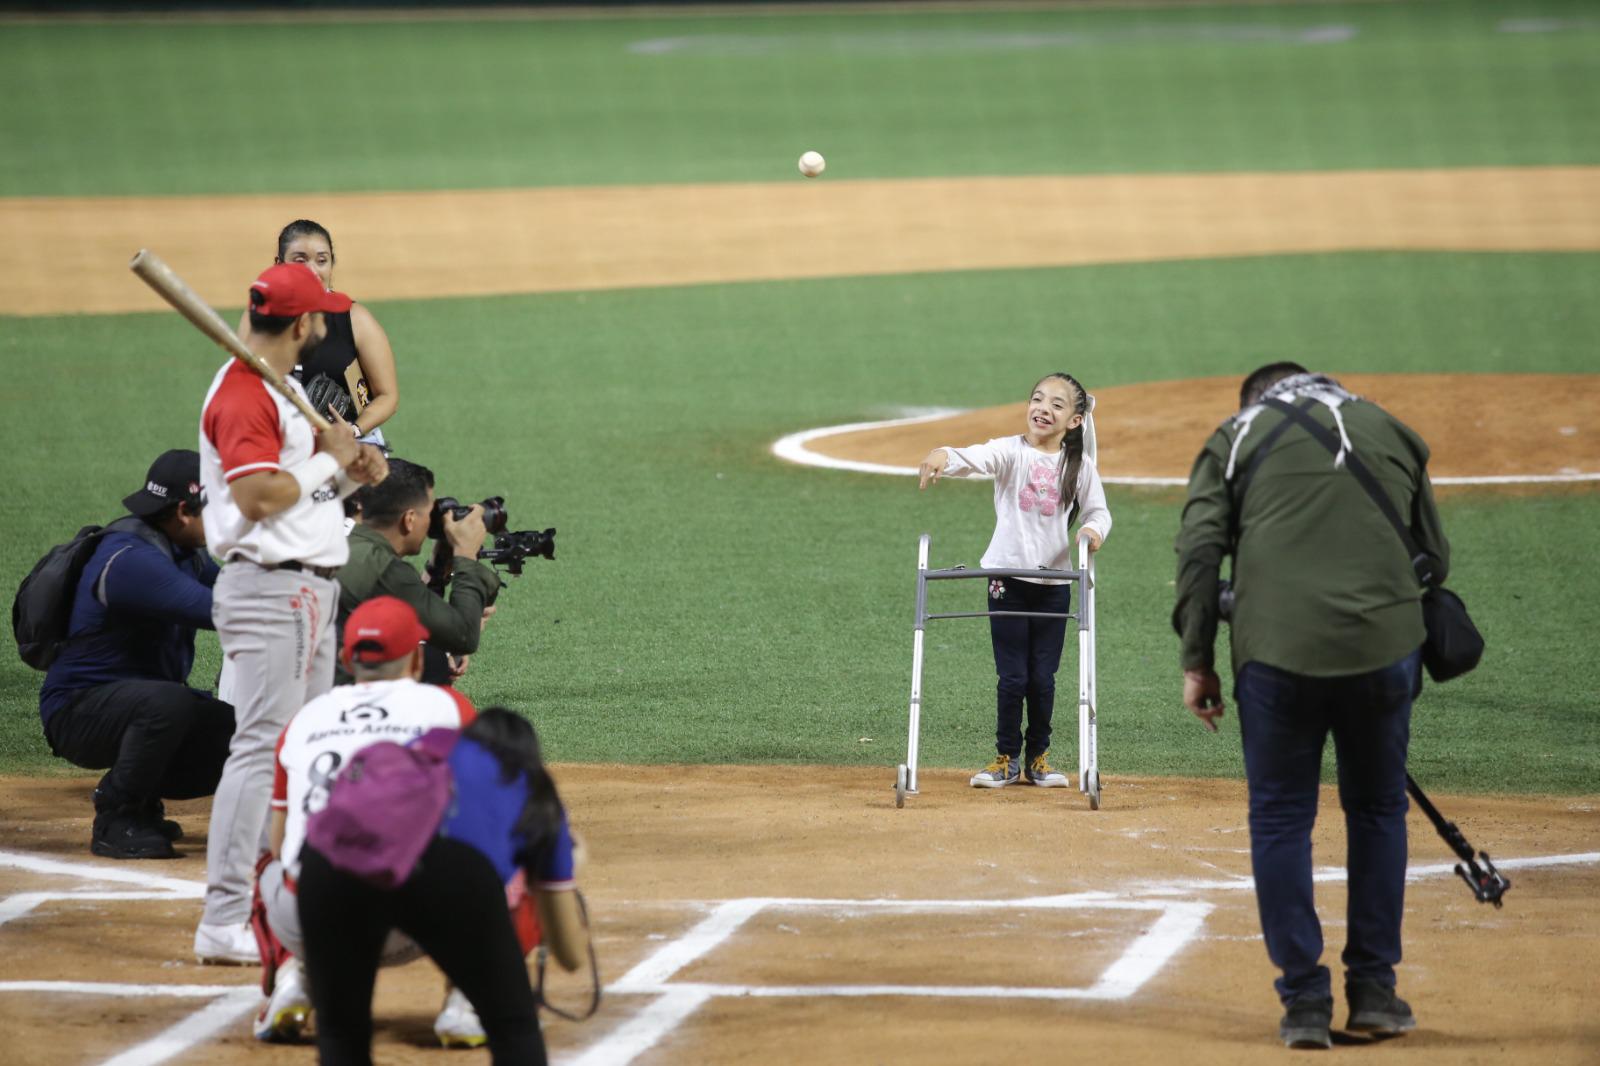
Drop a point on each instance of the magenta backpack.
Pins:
(385, 807)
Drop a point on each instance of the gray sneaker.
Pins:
(1039, 772)
(1002, 772)
(1375, 1009)
(1306, 1022)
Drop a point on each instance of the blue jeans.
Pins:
(1285, 719)
(1027, 653)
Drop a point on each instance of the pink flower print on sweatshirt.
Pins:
(1041, 491)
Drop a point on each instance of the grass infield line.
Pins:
(794, 448)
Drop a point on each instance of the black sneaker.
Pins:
(1306, 1022)
(1375, 1009)
(156, 812)
(128, 834)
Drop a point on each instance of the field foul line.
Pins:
(793, 448)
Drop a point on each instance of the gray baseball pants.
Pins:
(277, 633)
(283, 915)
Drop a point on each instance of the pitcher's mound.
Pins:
(1478, 425)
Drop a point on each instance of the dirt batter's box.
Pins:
(1177, 923)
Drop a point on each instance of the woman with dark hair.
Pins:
(353, 367)
(503, 833)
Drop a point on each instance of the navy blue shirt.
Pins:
(484, 812)
(137, 624)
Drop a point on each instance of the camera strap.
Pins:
(1241, 481)
(1358, 470)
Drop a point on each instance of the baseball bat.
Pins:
(173, 289)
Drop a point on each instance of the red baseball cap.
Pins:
(382, 630)
(289, 290)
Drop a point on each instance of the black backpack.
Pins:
(42, 609)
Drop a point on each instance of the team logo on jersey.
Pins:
(363, 712)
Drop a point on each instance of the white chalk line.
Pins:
(114, 988)
(794, 449)
(196, 1029)
(1179, 924)
(23, 903)
(1338, 873)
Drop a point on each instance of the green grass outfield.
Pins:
(179, 108)
(709, 603)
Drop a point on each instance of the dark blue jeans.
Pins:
(1285, 720)
(1027, 653)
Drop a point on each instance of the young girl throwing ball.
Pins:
(1042, 482)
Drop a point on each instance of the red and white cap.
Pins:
(382, 630)
(289, 290)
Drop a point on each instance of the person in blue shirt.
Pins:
(504, 833)
(117, 697)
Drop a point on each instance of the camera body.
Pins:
(494, 514)
(1225, 597)
(510, 549)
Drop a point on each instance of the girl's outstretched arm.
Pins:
(928, 473)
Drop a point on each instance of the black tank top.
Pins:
(332, 357)
(336, 351)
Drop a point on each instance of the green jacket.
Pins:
(1323, 586)
(375, 569)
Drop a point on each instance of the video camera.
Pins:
(509, 550)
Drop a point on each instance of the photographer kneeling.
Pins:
(116, 697)
(393, 524)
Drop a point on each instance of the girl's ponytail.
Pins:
(1071, 445)
(1071, 463)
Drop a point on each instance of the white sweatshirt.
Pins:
(1030, 528)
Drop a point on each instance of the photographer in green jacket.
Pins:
(1326, 623)
(392, 526)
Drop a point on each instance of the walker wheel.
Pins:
(900, 785)
(1092, 787)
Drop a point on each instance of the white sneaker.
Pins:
(284, 1017)
(226, 945)
(457, 1024)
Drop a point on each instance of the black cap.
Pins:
(173, 478)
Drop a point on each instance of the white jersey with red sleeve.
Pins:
(247, 427)
(321, 738)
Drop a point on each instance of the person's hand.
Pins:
(458, 665)
(488, 612)
(932, 467)
(1091, 536)
(338, 441)
(466, 535)
(1202, 694)
(370, 467)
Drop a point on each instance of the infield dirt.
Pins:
(1489, 986)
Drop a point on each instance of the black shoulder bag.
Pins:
(1453, 645)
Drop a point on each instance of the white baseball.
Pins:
(812, 164)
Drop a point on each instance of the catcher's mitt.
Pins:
(324, 392)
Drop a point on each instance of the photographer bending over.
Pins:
(116, 695)
(393, 525)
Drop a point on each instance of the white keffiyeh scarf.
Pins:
(1318, 387)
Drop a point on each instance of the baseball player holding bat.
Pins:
(274, 473)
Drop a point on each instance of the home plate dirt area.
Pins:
(792, 914)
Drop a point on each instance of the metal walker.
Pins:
(1083, 578)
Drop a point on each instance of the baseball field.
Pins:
(611, 294)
